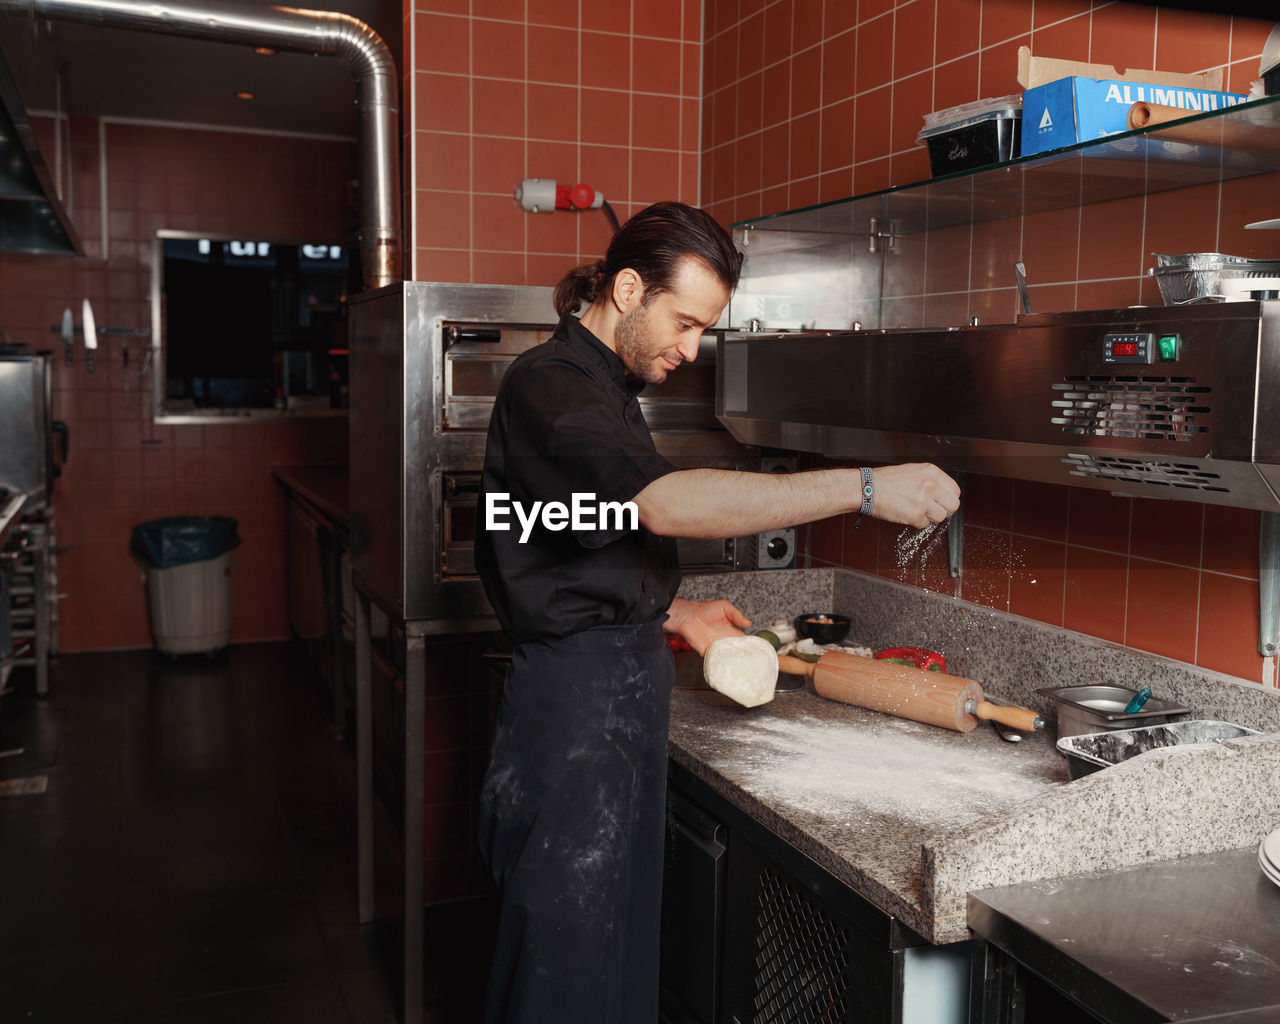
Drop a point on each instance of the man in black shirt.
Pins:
(573, 803)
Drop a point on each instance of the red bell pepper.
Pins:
(677, 643)
(920, 657)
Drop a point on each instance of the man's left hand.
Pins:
(700, 622)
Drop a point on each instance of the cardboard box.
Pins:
(1067, 101)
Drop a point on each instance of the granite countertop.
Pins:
(324, 487)
(915, 817)
(858, 792)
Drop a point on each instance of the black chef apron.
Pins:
(572, 825)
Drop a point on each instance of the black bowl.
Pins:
(831, 632)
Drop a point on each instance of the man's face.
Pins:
(654, 338)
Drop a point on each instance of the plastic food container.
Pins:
(973, 134)
(1093, 752)
(1086, 709)
(1269, 65)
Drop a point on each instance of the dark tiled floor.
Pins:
(193, 857)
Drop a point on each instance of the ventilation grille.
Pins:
(1139, 471)
(1143, 408)
(802, 959)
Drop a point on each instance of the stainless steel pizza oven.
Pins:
(426, 362)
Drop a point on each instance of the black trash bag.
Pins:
(180, 540)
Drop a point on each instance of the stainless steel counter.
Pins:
(325, 487)
(1175, 940)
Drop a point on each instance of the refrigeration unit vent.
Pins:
(802, 960)
(1160, 474)
(1140, 407)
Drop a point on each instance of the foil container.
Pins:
(1200, 276)
(1091, 753)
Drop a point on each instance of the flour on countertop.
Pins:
(891, 768)
(1245, 960)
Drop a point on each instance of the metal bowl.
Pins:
(1084, 709)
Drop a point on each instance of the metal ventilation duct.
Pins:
(1166, 401)
(32, 217)
(324, 33)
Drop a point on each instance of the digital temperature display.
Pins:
(1139, 348)
(1127, 348)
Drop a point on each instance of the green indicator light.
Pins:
(1169, 347)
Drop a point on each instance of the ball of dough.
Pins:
(742, 667)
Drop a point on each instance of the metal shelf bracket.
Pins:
(1269, 585)
(955, 538)
(874, 235)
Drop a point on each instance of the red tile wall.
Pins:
(815, 100)
(501, 90)
(808, 101)
(1172, 578)
(123, 468)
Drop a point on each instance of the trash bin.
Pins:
(188, 570)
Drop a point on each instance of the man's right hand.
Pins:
(725, 503)
(917, 494)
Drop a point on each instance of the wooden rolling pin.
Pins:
(934, 698)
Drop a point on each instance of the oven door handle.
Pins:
(460, 486)
(60, 427)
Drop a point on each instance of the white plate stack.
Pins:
(1269, 856)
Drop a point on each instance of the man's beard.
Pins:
(631, 337)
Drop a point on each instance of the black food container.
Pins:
(973, 135)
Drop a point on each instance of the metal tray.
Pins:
(1201, 275)
(1084, 709)
(1094, 751)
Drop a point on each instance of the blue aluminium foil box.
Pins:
(1076, 109)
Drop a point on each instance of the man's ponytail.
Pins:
(579, 287)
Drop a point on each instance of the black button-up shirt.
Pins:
(566, 421)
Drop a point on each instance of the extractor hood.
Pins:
(1167, 401)
(32, 217)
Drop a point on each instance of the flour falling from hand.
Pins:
(912, 543)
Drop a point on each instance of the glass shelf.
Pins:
(1216, 146)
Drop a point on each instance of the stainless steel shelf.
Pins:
(1201, 149)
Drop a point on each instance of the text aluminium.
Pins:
(583, 514)
(1168, 96)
